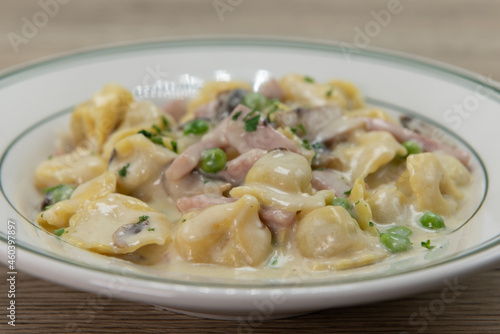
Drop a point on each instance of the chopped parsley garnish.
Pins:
(165, 122)
(59, 232)
(123, 172)
(48, 207)
(251, 123)
(50, 157)
(151, 229)
(157, 128)
(427, 244)
(370, 224)
(146, 133)
(157, 140)
(142, 219)
(183, 220)
(305, 144)
(308, 79)
(236, 115)
(348, 192)
(329, 92)
(301, 127)
(174, 146)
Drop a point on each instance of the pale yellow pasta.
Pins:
(117, 224)
(94, 120)
(362, 210)
(282, 179)
(145, 114)
(302, 90)
(429, 183)
(226, 234)
(331, 232)
(371, 150)
(389, 206)
(371, 113)
(140, 160)
(60, 213)
(73, 168)
(455, 169)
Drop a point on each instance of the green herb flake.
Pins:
(157, 128)
(309, 79)
(146, 133)
(427, 244)
(123, 172)
(142, 219)
(183, 220)
(48, 207)
(305, 144)
(370, 224)
(165, 122)
(59, 231)
(50, 157)
(329, 92)
(251, 124)
(151, 229)
(301, 127)
(174, 146)
(157, 140)
(236, 115)
(348, 192)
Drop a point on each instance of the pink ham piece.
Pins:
(271, 89)
(276, 220)
(176, 109)
(238, 168)
(230, 132)
(402, 134)
(200, 202)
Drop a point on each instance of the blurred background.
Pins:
(463, 33)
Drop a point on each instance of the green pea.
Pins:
(396, 243)
(432, 221)
(58, 193)
(255, 101)
(213, 160)
(411, 147)
(341, 201)
(400, 230)
(196, 127)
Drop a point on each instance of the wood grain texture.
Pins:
(462, 33)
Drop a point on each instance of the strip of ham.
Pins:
(271, 89)
(402, 134)
(176, 109)
(230, 132)
(276, 220)
(200, 202)
(238, 168)
(330, 179)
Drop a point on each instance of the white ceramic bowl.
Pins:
(35, 102)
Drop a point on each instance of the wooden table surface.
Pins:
(464, 33)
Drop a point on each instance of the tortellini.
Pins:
(94, 120)
(389, 206)
(61, 212)
(330, 232)
(428, 181)
(226, 234)
(362, 210)
(371, 151)
(137, 159)
(117, 224)
(305, 91)
(282, 179)
(73, 168)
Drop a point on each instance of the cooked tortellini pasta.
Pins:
(227, 234)
(331, 232)
(295, 175)
(282, 179)
(428, 181)
(117, 224)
